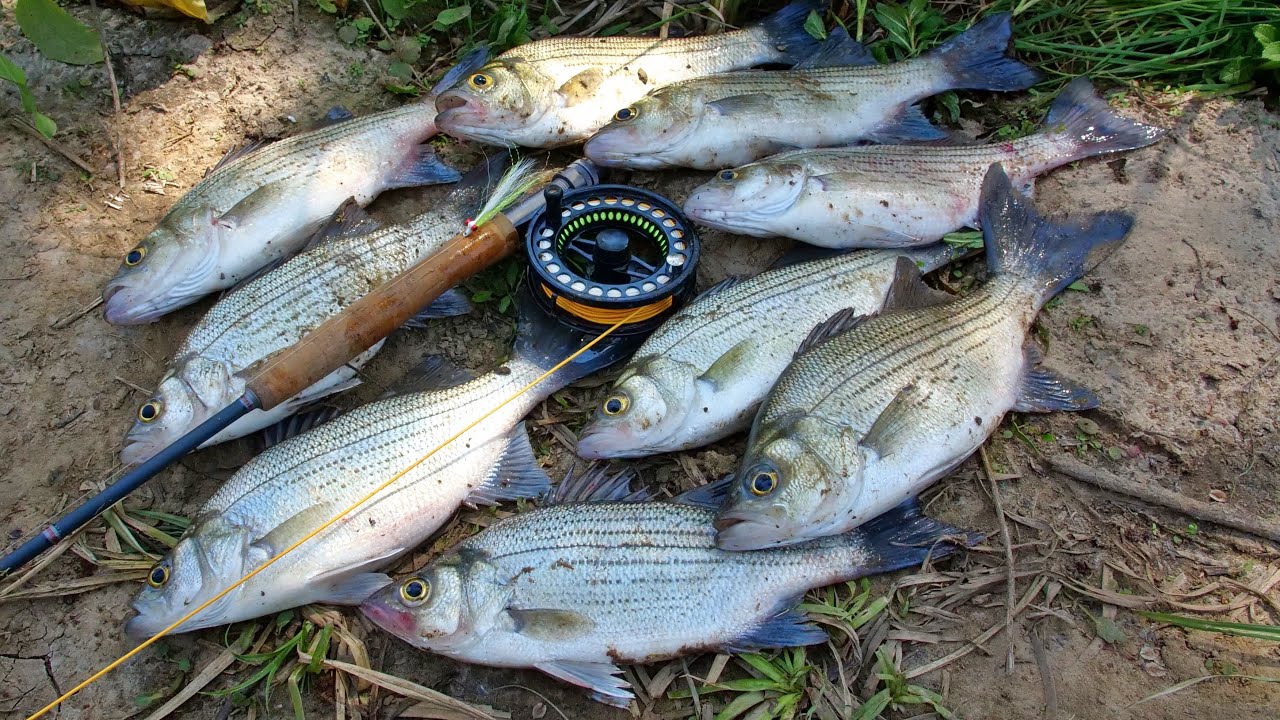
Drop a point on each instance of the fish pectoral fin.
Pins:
(515, 475)
(600, 678)
(581, 87)
(787, 628)
(267, 197)
(422, 167)
(353, 589)
(841, 321)
(297, 525)
(727, 367)
(551, 625)
(433, 373)
(710, 496)
(1043, 390)
(908, 125)
(348, 220)
(743, 104)
(894, 422)
(907, 290)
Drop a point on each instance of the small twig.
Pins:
(1011, 584)
(65, 321)
(1224, 515)
(1046, 674)
(139, 388)
(377, 20)
(24, 127)
(115, 95)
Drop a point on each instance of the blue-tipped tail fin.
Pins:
(545, 341)
(1048, 254)
(1081, 118)
(976, 59)
(786, 32)
(903, 537)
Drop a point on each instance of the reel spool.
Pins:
(598, 253)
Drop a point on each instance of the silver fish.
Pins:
(293, 488)
(259, 208)
(576, 588)
(838, 97)
(902, 195)
(274, 311)
(874, 409)
(702, 374)
(558, 91)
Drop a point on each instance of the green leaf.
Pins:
(1271, 51)
(58, 35)
(451, 16)
(400, 71)
(1079, 286)
(11, 72)
(1266, 34)
(872, 708)
(814, 25)
(295, 694)
(327, 6)
(482, 296)
(393, 8)
(1108, 630)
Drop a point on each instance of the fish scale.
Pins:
(764, 319)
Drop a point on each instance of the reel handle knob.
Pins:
(553, 196)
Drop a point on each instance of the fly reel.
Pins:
(598, 254)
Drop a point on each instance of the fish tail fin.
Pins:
(976, 59)
(466, 65)
(475, 187)
(903, 537)
(1046, 253)
(545, 341)
(1082, 121)
(784, 31)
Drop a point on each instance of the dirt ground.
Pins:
(1179, 334)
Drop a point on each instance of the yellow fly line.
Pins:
(147, 643)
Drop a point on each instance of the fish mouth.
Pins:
(739, 223)
(596, 446)
(396, 622)
(137, 451)
(451, 101)
(122, 306)
(739, 531)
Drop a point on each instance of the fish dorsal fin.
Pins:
(516, 474)
(838, 50)
(600, 678)
(551, 625)
(582, 87)
(236, 153)
(807, 253)
(433, 373)
(842, 321)
(710, 496)
(596, 485)
(336, 114)
(1043, 390)
(349, 220)
(297, 424)
(891, 426)
(908, 289)
(719, 287)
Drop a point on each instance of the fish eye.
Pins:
(135, 256)
(158, 576)
(616, 404)
(480, 81)
(626, 113)
(763, 482)
(415, 591)
(727, 175)
(149, 411)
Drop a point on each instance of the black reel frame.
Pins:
(598, 252)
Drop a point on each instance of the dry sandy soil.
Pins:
(1178, 334)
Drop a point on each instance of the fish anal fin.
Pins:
(422, 167)
(516, 474)
(581, 87)
(788, 628)
(908, 125)
(601, 678)
(907, 290)
(892, 425)
(348, 220)
(842, 321)
(1043, 390)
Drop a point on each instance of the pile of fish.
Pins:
(860, 386)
